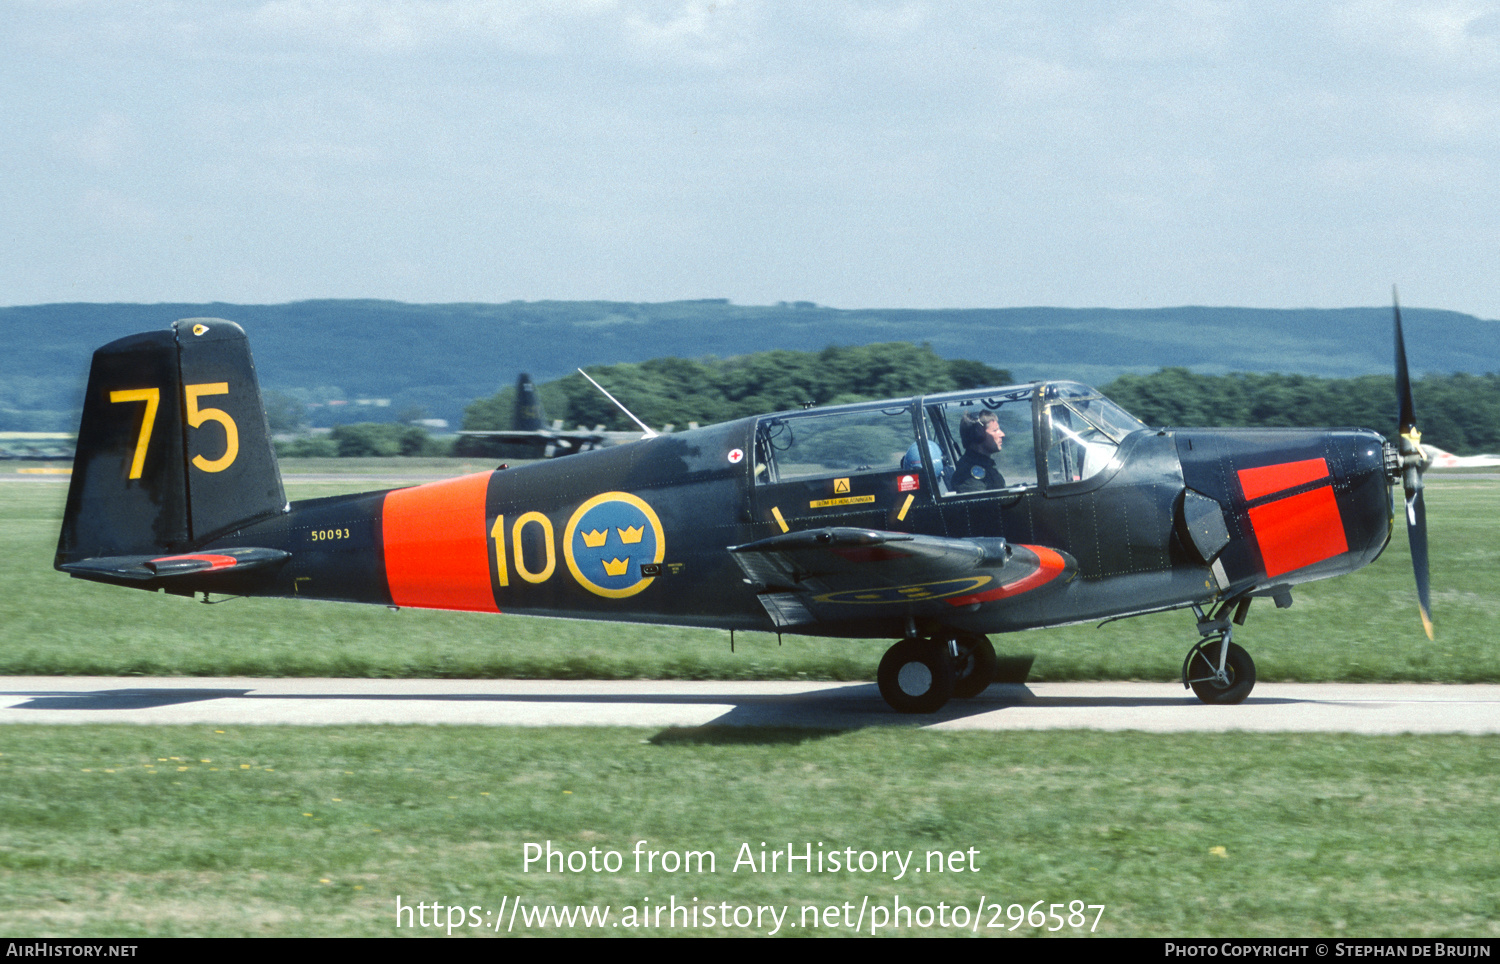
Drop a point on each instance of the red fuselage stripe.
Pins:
(1280, 477)
(436, 546)
(1051, 567)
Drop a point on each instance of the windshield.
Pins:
(1084, 431)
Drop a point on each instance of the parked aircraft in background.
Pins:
(1447, 460)
(530, 439)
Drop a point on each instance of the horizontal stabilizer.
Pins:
(144, 568)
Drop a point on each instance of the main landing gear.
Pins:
(920, 674)
(1218, 670)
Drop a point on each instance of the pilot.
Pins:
(982, 437)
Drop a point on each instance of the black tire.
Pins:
(1239, 667)
(974, 670)
(916, 675)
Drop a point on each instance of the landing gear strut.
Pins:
(1219, 671)
(919, 675)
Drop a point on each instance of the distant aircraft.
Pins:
(529, 438)
(838, 522)
(1447, 460)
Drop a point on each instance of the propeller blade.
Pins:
(1406, 419)
(1413, 464)
(1416, 533)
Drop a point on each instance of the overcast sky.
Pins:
(986, 154)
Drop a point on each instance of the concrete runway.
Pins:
(1149, 707)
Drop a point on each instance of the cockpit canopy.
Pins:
(1053, 434)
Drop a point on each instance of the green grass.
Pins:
(124, 831)
(1360, 627)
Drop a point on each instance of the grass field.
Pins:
(192, 831)
(1361, 627)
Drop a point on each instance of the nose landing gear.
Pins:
(1219, 671)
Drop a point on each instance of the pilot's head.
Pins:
(981, 433)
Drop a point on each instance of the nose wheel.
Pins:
(1219, 671)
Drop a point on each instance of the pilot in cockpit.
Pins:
(982, 438)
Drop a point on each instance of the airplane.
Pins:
(843, 521)
(529, 438)
(1440, 459)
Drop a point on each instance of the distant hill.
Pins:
(440, 357)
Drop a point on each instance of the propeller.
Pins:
(1413, 462)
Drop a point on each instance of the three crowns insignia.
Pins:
(596, 538)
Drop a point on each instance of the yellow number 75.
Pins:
(195, 417)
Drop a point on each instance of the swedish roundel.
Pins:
(608, 539)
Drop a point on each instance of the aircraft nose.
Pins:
(1366, 494)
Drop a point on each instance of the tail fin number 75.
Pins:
(195, 418)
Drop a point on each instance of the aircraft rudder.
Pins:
(231, 467)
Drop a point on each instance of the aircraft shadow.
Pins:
(838, 708)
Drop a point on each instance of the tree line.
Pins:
(1459, 412)
(681, 390)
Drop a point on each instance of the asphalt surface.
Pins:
(1149, 707)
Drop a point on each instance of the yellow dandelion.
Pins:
(1219, 852)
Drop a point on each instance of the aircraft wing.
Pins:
(832, 574)
(561, 442)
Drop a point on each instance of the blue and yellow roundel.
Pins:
(607, 540)
(917, 592)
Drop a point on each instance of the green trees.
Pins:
(681, 390)
(1460, 413)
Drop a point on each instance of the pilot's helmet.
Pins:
(912, 460)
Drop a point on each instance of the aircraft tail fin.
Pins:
(528, 414)
(173, 448)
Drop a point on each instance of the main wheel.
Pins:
(1203, 674)
(916, 675)
(974, 670)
